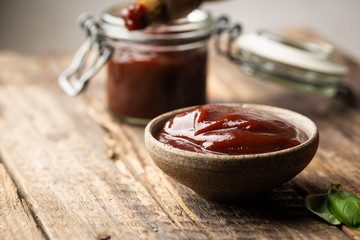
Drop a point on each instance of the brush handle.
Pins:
(142, 13)
(179, 8)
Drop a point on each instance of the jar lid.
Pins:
(196, 25)
(301, 63)
(316, 56)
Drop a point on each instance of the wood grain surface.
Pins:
(16, 219)
(71, 171)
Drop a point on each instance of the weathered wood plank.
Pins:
(57, 158)
(126, 146)
(96, 183)
(16, 219)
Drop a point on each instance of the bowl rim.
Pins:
(224, 157)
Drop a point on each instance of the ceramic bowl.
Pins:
(233, 178)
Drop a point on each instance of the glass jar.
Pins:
(149, 72)
(304, 64)
(292, 59)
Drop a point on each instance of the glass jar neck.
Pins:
(156, 47)
(195, 26)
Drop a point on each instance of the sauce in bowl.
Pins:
(233, 130)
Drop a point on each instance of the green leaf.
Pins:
(318, 204)
(345, 207)
(336, 206)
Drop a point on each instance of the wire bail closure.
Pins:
(74, 79)
(222, 25)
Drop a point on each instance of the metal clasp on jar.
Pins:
(94, 52)
(233, 31)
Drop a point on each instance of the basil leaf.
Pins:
(318, 204)
(345, 207)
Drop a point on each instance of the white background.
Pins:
(51, 25)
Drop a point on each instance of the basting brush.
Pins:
(142, 13)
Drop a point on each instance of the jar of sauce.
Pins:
(150, 71)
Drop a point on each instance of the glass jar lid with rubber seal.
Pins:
(300, 62)
(149, 71)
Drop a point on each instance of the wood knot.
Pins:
(103, 237)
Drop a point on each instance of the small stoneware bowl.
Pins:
(233, 178)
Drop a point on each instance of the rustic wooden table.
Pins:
(68, 170)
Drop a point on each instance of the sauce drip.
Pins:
(135, 16)
(229, 130)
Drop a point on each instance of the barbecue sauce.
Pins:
(232, 130)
